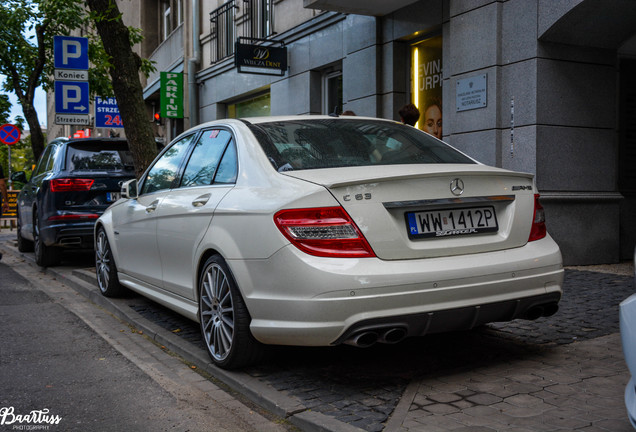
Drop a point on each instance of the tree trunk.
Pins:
(37, 137)
(126, 85)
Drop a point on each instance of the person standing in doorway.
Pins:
(409, 114)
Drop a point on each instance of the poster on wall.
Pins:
(426, 81)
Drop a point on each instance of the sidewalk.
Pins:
(561, 374)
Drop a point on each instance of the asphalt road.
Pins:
(71, 366)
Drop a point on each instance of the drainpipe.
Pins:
(193, 62)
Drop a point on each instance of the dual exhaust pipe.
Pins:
(393, 334)
(368, 337)
(543, 310)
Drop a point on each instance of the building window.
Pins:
(332, 93)
(166, 23)
(179, 12)
(258, 106)
(260, 17)
(223, 31)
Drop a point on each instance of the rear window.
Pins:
(326, 143)
(99, 156)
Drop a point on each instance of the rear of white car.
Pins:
(399, 250)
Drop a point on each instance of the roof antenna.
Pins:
(335, 112)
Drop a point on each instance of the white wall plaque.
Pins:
(472, 93)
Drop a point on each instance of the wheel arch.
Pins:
(203, 258)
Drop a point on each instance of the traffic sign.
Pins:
(70, 52)
(9, 134)
(71, 97)
(73, 119)
(107, 113)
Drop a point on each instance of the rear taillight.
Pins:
(324, 232)
(73, 216)
(71, 184)
(538, 230)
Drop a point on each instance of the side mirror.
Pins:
(19, 176)
(129, 189)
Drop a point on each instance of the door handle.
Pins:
(202, 200)
(152, 207)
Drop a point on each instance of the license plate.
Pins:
(451, 222)
(112, 196)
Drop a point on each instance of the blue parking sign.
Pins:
(71, 97)
(107, 113)
(70, 52)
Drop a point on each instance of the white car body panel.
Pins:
(313, 302)
(627, 319)
(135, 237)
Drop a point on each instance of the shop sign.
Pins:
(471, 93)
(171, 94)
(260, 59)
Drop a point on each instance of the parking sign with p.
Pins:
(70, 52)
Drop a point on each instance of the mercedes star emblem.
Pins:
(457, 187)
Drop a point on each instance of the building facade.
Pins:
(540, 86)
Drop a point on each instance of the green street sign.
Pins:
(171, 94)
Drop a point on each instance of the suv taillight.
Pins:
(71, 184)
(324, 232)
(538, 230)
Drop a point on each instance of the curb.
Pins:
(265, 396)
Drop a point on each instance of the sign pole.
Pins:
(9, 158)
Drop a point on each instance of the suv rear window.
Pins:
(99, 157)
(326, 143)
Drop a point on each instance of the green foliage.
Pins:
(21, 158)
(27, 28)
(5, 109)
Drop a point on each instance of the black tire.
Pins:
(105, 267)
(45, 256)
(225, 320)
(24, 245)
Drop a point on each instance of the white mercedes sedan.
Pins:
(317, 230)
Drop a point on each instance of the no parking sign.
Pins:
(9, 134)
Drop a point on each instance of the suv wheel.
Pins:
(24, 245)
(45, 256)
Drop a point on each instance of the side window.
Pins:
(165, 170)
(44, 161)
(51, 162)
(206, 157)
(228, 168)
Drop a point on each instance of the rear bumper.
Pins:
(297, 299)
(76, 235)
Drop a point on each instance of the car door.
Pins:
(186, 212)
(135, 222)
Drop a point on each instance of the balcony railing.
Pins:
(258, 23)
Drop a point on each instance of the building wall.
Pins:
(552, 90)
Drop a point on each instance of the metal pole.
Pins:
(10, 182)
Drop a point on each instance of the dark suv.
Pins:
(74, 182)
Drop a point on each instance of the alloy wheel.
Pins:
(102, 260)
(217, 312)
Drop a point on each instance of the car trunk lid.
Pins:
(416, 211)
